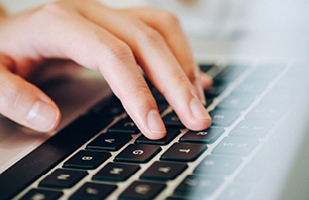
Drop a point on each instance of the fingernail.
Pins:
(198, 110)
(43, 116)
(155, 123)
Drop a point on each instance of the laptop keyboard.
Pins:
(121, 163)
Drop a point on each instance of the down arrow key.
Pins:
(109, 141)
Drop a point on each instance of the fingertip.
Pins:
(206, 80)
(156, 126)
(44, 116)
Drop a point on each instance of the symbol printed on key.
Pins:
(92, 191)
(142, 189)
(202, 133)
(164, 169)
(38, 196)
(87, 158)
(63, 176)
(116, 171)
(129, 124)
(138, 152)
(175, 118)
(184, 150)
(109, 140)
(191, 182)
(218, 117)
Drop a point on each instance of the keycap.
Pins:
(163, 171)
(93, 191)
(250, 87)
(109, 141)
(214, 91)
(194, 186)
(142, 190)
(87, 159)
(235, 192)
(206, 67)
(162, 107)
(125, 125)
(116, 172)
(172, 120)
(170, 135)
(41, 194)
(184, 152)
(207, 136)
(138, 153)
(270, 112)
(230, 73)
(111, 107)
(61, 178)
(223, 117)
(218, 165)
(240, 146)
(236, 102)
(252, 128)
(267, 71)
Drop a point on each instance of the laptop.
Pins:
(256, 147)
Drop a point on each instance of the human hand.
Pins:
(111, 41)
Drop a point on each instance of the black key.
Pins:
(109, 141)
(172, 120)
(87, 159)
(230, 73)
(142, 190)
(112, 107)
(170, 135)
(163, 171)
(93, 191)
(218, 165)
(207, 136)
(206, 67)
(162, 107)
(61, 178)
(223, 117)
(116, 172)
(252, 128)
(184, 152)
(214, 91)
(138, 153)
(125, 125)
(194, 186)
(236, 146)
(42, 195)
(236, 102)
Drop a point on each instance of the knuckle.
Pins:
(52, 9)
(151, 37)
(120, 51)
(169, 18)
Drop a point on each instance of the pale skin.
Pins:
(117, 43)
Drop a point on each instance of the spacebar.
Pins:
(49, 154)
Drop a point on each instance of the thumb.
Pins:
(26, 104)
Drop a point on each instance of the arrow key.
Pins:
(109, 141)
